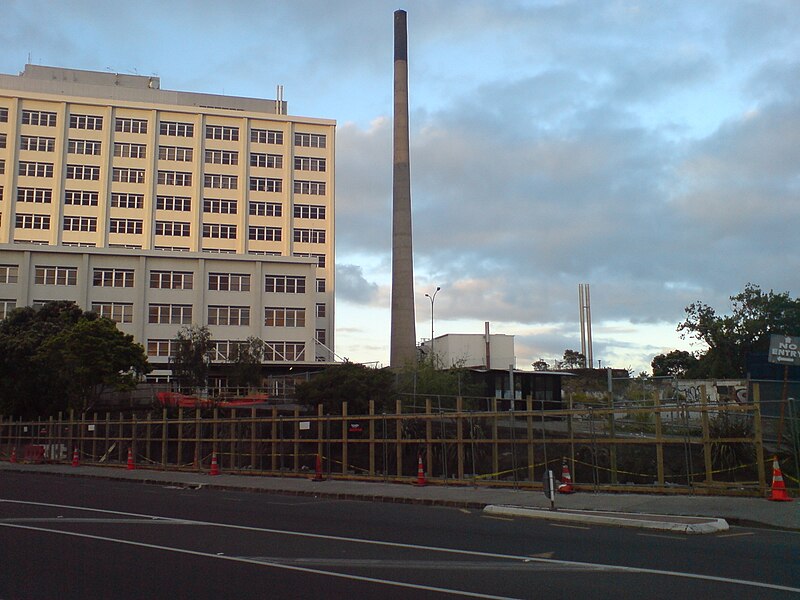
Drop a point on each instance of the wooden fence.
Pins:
(664, 448)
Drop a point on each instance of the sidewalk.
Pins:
(669, 513)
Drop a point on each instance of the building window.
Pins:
(6, 306)
(92, 122)
(284, 351)
(36, 195)
(266, 184)
(174, 228)
(119, 312)
(225, 207)
(229, 315)
(159, 347)
(321, 286)
(284, 317)
(311, 236)
(321, 310)
(120, 278)
(307, 163)
(28, 221)
(320, 258)
(266, 209)
(80, 223)
(176, 129)
(90, 147)
(84, 172)
(3, 115)
(170, 314)
(9, 273)
(219, 231)
(285, 284)
(309, 211)
(266, 136)
(312, 188)
(125, 125)
(181, 178)
(264, 234)
(39, 117)
(55, 276)
(177, 203)
(35, 169)
(125, 175)
(224, 182)
(309, 140)
(133, 226)
(229, 282)
(222, 157)
(271, 161)
(34, 142)
(321, 336)
(123, 200)
(126, 150)
(171, 280)
(222, 132)
(176, 153)
(4, 141)
(80, 198)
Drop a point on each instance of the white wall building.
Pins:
(161, 208)
(472, 350)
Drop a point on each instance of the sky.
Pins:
(648, 148)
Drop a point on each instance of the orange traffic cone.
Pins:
(420, 472)
(318, 469)
(75, 458)
(13, 455)
(131, 465)
(565, 487)
(778, 487)
(214, 464)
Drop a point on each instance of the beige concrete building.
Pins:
(161, 208)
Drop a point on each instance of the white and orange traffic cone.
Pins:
(420, 472)
(318, 469)
(131, 465)
(76, 461)
(565, 487)
(214, 464)
(778, 487)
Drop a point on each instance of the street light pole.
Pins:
(432, 299)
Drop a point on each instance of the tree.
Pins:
(351, 383)
(246, 359)
(192, 350)
(54, 357)
(92, 356)
(573, 359)
(729, 339)
(540, 365)
(677, 363)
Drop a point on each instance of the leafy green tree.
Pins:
(192, 350)
(93, 356)
(540, 365)
(574, 359)
(351, 383)
(246, 360)
(730, 338)
(677, 363)
(48, 361)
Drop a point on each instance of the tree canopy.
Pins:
(351, 383)
(728, 339)
(190, 356)
(58, 357)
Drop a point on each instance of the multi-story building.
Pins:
(161, 209)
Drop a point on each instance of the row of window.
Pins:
(181, 314)
(168, 128)
(226, 349)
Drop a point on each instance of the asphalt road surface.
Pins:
(87, 538)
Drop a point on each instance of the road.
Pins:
(88, 538)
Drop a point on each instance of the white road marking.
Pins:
(726, 535)
(319, 536)
(676, 538)
(567, 526)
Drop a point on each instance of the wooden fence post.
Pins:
(460, 438)
(428, 461)
(659, 441)
(253, 438)
(344, 438)
(398, 420)
(495, 443)
(706, 434)
(759, 440)
(531, 446)
(372, 438)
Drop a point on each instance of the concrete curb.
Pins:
(688, 525)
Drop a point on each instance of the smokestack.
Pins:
(403, 333)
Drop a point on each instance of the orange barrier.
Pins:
(778, 486)
(33, 453)
(420, 472)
